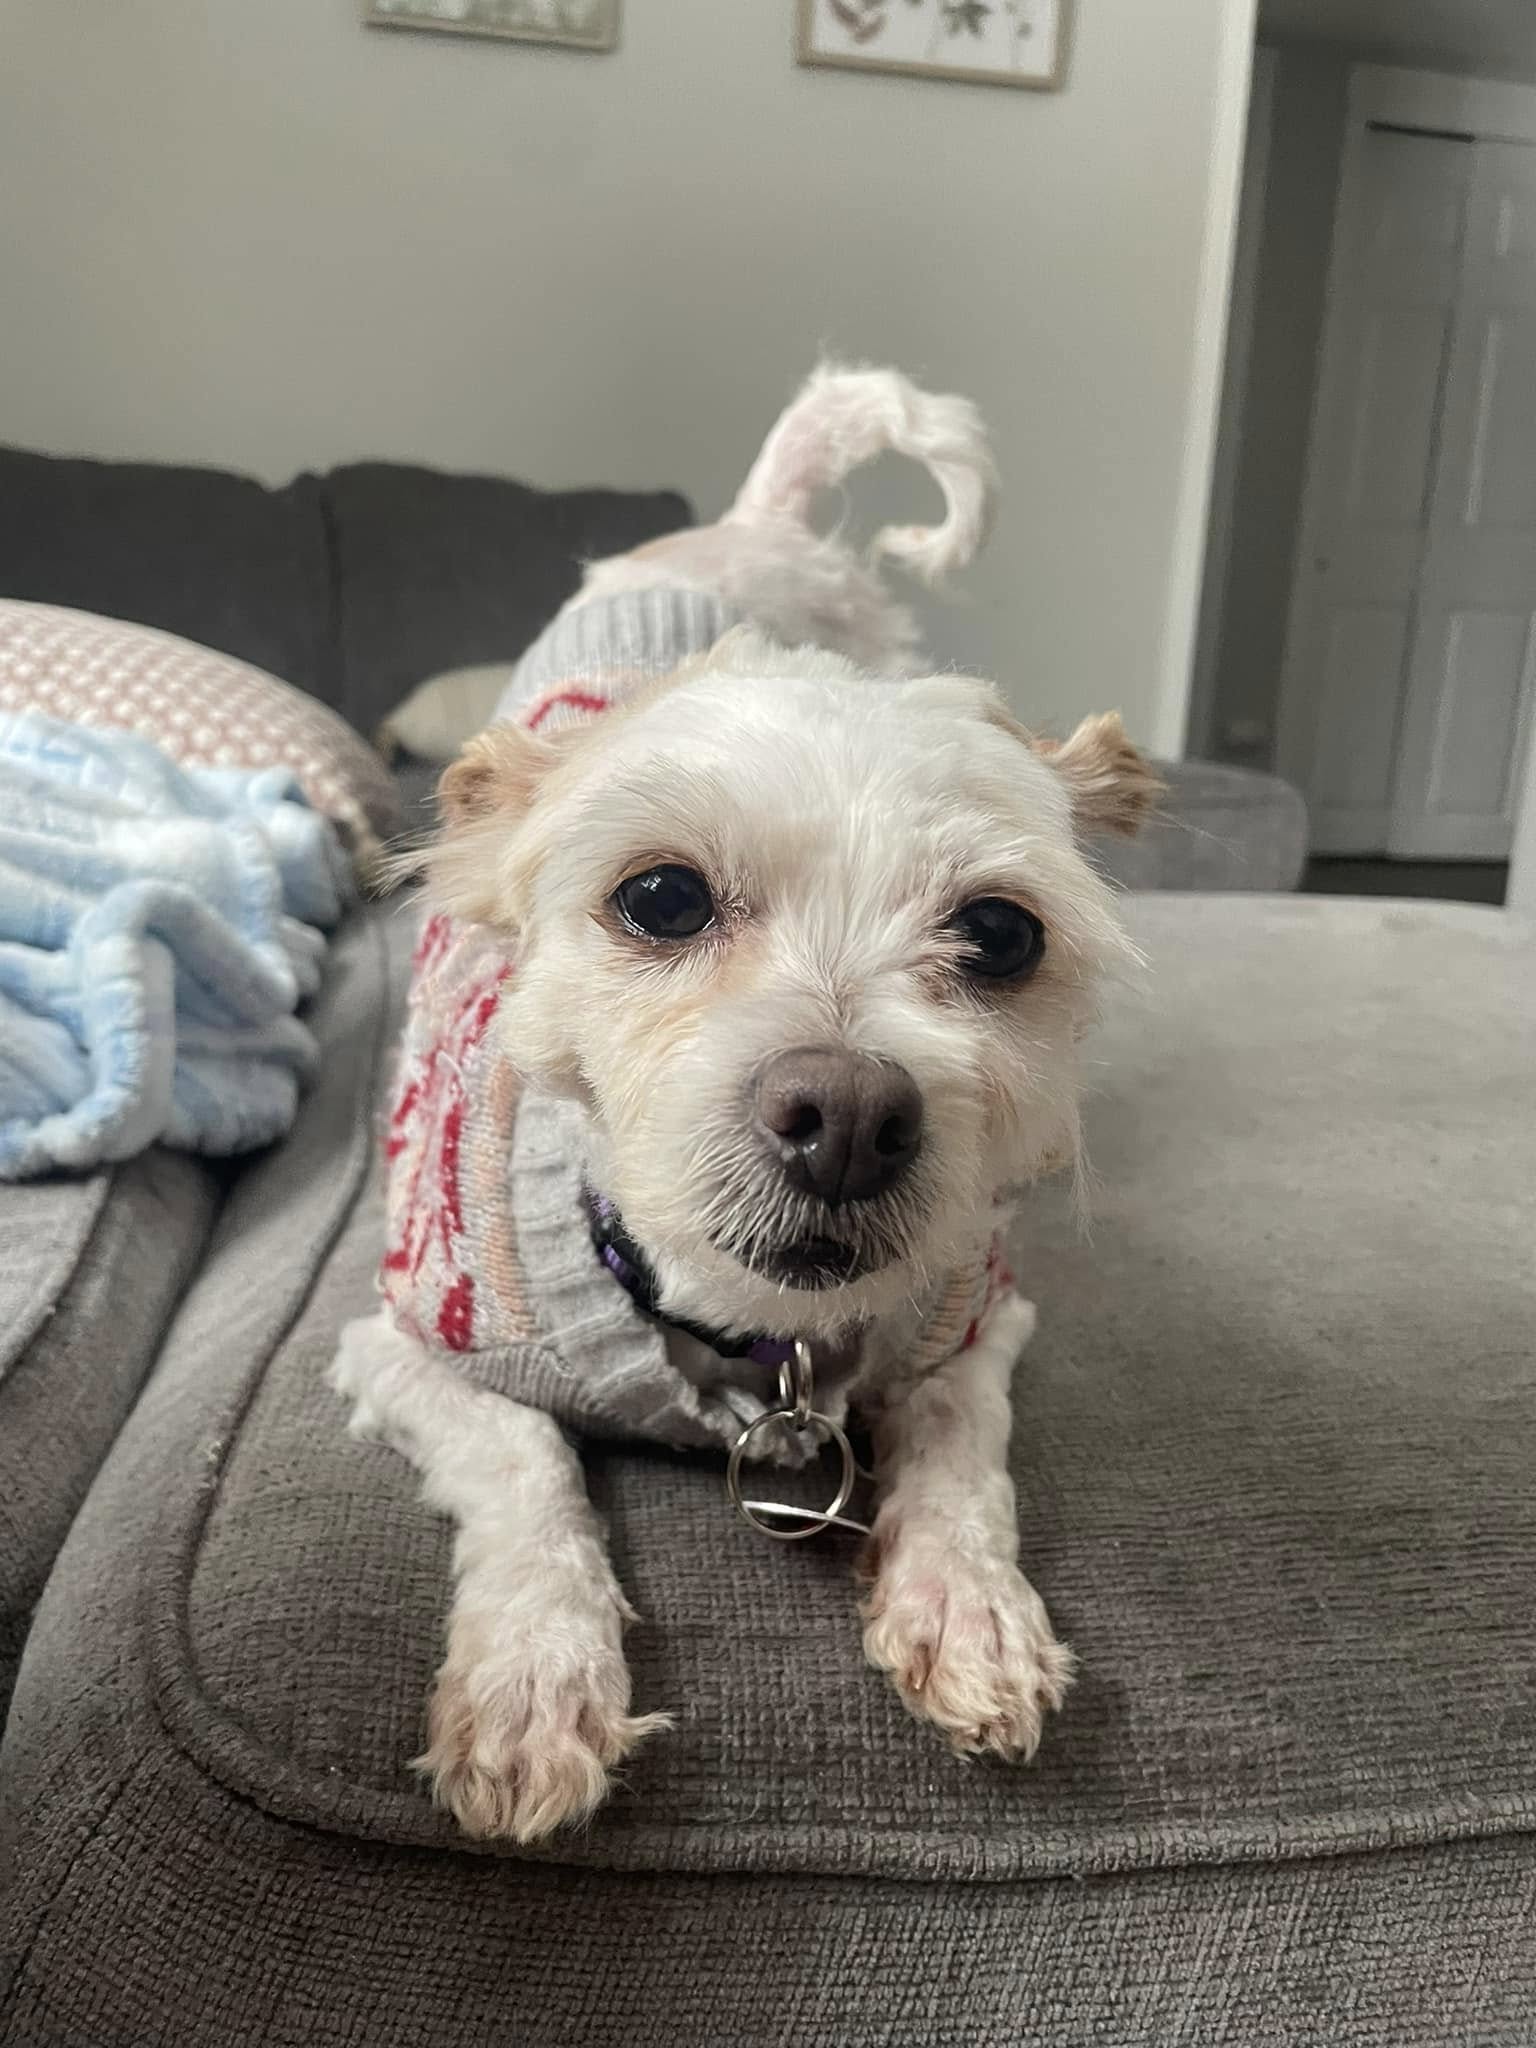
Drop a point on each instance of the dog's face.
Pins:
(813, 950)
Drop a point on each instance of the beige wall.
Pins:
(1301, 181)
(248, 232)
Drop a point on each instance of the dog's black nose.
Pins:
(843, 1126)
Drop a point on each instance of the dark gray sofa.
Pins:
(1274, 1449)
(353, 585)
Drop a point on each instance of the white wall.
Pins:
(249, 232)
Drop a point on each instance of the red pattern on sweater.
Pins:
(571, 700)
(428, 1120)
(456, 1317)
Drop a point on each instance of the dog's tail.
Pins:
(842, 418)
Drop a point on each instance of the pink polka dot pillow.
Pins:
(206, 710)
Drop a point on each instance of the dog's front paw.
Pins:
(967, 1644)
(521, 1745)
(370, 1353)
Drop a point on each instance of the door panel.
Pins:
(1466, 709)
(1412, 212)
(1485, 669)
(1362, 682)
(1501, 469)
(1388, 483)
(1394, 282)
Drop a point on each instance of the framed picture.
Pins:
(981, 42)
(573, 24)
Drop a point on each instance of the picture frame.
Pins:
(563, 24)
(1021, 43)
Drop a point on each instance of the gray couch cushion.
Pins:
(436, 572)
(354, 586)
(215, 557)
(1218, 827)
(1274, 1447)
(90, 1273)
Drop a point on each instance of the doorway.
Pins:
(1406, 693)
(1369, 621)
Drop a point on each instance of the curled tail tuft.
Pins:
(843, 418)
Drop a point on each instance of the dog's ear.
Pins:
(484, 798)
(496, 775)
(1113, 786)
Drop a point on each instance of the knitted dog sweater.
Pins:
(489, 1254)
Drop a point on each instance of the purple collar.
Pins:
(634, 1273)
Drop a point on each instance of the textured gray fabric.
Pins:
(354, 586)
(44, 1229)
(632, 633)
(215, 557)
(193, 1920)
(1217, 827)
(434, 572)
(1274, 1454)
(90, 1272)
(602, 1368)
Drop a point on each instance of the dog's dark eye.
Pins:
(665, 903)
(1003, 940)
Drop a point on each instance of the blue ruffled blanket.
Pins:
(159, 927)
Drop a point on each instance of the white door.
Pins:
(1392, 296)
(1467, 706)
(1408, 673)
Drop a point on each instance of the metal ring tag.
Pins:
(795, 1413)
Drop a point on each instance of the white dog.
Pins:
(757, 986)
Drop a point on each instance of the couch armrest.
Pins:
(1217, 828)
